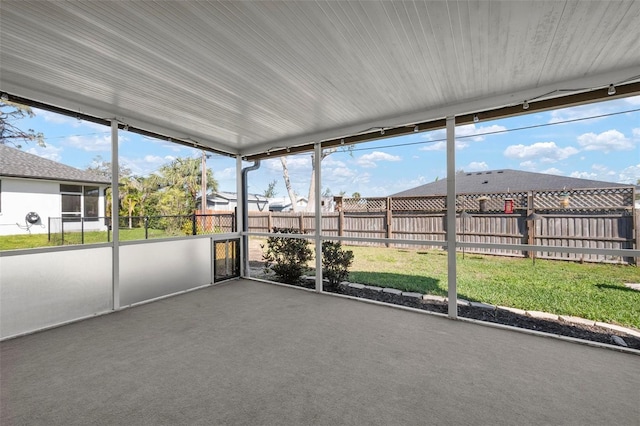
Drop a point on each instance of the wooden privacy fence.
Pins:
(586, 218)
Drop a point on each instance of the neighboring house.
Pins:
(283, 204)
(505, 180)
(34, 189)
(228, 201)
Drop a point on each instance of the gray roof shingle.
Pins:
(505, 180)
(17, 163)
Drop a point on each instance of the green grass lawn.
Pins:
(593, 291)
(15, 242)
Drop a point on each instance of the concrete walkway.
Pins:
(248, 353)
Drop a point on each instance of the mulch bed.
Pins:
(498, 316)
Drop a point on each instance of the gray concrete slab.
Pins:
(250, 353)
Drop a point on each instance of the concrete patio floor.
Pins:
(250, 353)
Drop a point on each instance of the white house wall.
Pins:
(21, 196)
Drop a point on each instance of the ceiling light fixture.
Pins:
(341, 141)
(381, 131)
(525, 105)
(416, 129)
(4, 97)
(475, 118)
(288, 149)
(612, 90)
(126, 128)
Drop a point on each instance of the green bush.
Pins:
(335, 263)
(287, 257)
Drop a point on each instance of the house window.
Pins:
(91, 200)
(77, 200)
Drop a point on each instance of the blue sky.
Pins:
(605, 148)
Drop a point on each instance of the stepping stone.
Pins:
(542, 315)
(433, 297)
(633, 286)
(482, 305)
(618, 328)
(392, 291)
(373, 288)
(514, 310)
(358, 286)
(577, 320)
(412, 294)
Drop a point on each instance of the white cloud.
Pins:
(611, 140)
(442, 145)
(577, 113)
(464, 134)
(584, 175)
(633, 100)
(476, 166)
(630, 174)
(370, 160)
(636, 132)
(603, 173)
(546, 152)
(294, 163)
(552, 171)
(476, 134)
(49, 152)
(144, 166)
(228, 173)
(90, 143)
(530, 165)
(362, 178)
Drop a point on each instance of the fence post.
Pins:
(301, 222)
(388, 219)
(62, 229)
(340, 223)
(49, 229)
(193, 224)
(530, 225)
(637, 228)
(109, 230)
(82, 230)
(146, 227)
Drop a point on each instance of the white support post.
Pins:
(244, 262)
(451, 218)
(115, 217)
(317, 161)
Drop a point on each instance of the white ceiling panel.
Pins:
(244, 77)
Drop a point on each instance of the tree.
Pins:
(287, 184)
(312, 183)
(356, 195)
(185, 174)
(102, 167)
(271, 192)
(327, 192)
(10, 114)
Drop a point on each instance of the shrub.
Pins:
(335, 262)
(287, 257)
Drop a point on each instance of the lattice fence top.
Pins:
(436, 203)
(619, 198)
(585, 199)
(491, 202)
(364, 204)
